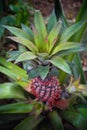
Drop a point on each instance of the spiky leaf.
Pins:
(61, 64)
(29, 123)
(13, 55)
(52, 20)
(8, 73)
(28, 31)
(76, 119)
(24, 42)
(56, 121)
(71, 51)
(18, 32)
(65, 46)
(53, 35)
(16, 108)
(70, 31)
(39, 40)
(83, 110)
(12, 70)
(39, 24)
(11, 90)
(35, 72)
(25, 56)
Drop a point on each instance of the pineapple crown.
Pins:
(44, 44)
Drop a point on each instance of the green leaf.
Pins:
(52, 20)
(59, 12)
(24, 42)
(25, 56)
(18, 32)
(29, 31)
(55, 121)
(44, 125)
(76, 119)
(29, 123)
(35, 72)
(16, 108)
(8, 73)
(13, 55)
(66, 46)
(22, 84)
(70, 31)
(39, 24)
(44, 73)
(82, 12)
(39, 40)
(78, 36)
(81, 16)
(11, 90)
(12, 70)
(79, 70)
(61, 64)
(71, 51)
(53, 35)
(83, 110)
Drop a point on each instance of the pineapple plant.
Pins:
(45, 53)
(43, 56)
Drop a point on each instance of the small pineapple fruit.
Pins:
(45, 48)
(47, 90)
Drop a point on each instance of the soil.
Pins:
(70, 7)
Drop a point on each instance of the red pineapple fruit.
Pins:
(47, 90)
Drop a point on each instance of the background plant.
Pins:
(14, 13)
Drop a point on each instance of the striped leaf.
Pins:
(18, 32)
(29, 123)
(65, 46)
(61, 64)
(55, 121)
(16, 108)
(28, 31)
(39, 40)
(70, 31)
(24, 42)
(39, 24)
(25, 56)
(11, 90)
(52, 20)
(12, 70)
(53, 35)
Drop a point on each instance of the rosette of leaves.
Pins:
(45, 51)
(50, 55)
(45, 45)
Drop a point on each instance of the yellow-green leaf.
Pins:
(18, 32)
(52, 37)
(39, 40)
(66, 46)
(39, 24)
(25, 42)
(11, 90)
